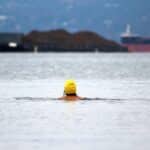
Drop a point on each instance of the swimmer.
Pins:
(70, 91)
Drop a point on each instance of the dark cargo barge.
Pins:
(12, 42)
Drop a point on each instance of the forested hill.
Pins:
(62, 40)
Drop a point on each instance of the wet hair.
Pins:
(71, 94)
(74, 94)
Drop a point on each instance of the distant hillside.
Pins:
(62, 40)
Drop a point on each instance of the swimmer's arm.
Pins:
(87, 98)
(97, 98)
(60, 98)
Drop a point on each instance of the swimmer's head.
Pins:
(70, 87)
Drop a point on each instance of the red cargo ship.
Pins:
(134, 42)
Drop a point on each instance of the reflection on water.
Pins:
(30, 119)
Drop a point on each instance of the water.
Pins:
(41, 123)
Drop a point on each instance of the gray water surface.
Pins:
(38, 122)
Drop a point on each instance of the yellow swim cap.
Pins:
(70, 87)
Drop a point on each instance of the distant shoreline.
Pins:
(58, 40)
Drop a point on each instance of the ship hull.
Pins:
(138, 47)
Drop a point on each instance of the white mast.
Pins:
(128, 32)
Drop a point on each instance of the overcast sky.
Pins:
(107, 17)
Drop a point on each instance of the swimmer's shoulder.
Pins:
(71, 98)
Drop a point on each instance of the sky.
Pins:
(106, 17)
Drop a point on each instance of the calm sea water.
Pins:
(35, 121)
